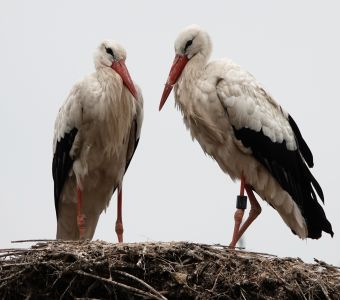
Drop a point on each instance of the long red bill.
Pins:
(176, 70)
(121, 69)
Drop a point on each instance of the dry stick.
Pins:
(303, 295)
(215, 282)
(15, 264)
(252, 252)
(141, 282)
(121, 285)
(13, 253)
(34, 240)
(237, 249)
(226, 246)
(23, 264)
(279, 277)
(55, 241)
(326, 265)
(89, 289)
(12, 249)
(219, 256)
(21, 251)
(12, 276)
(167, 262)
(241, 290)
(324, 290)
(224, 294)
(63, 294)
(61, 273)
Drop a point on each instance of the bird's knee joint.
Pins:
(119, 228)
(81, 220)
(256, 210)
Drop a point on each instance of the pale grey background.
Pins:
(172, 191)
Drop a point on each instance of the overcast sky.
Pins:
(172, 191)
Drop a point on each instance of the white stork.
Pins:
(96, 134)
(248, 133)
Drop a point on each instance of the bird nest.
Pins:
(100, 270)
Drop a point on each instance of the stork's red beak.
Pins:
(120, 67)
(176, 70)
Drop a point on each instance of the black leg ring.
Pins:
(241, 202)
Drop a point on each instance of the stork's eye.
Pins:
(188, 44)
(109, 51)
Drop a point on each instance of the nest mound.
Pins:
(100, 270)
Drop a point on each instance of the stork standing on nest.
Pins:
(248, 133)
(96, 134)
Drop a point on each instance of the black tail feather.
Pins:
(303, 147)
(311, 209)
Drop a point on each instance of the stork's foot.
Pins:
(81, 226)
(238, 220)
(119, 231)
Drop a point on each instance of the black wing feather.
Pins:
(303, 147)
(62, 163)
(135, 142)
(292, 173)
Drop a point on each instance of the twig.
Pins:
(89, 289)
(68, 287)
(303, 295)
(34, 240)
(13, 253)
(243, 296)
(121, 285)
(326, 265)
(61, 273)
(20, 251)
(215, 282)
(21, 264)
(219, 256)
(12, 249)
(238, 249)
(12, 276)
(169, 263)
(227, 247)
(324, 290)
(279, 277)
(256, 253)
(141, 282)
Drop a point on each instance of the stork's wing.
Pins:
(65, 132)
(135, 129)
(260, 124)
(62, 164)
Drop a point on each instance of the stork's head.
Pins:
(112, 55)
(192, 42)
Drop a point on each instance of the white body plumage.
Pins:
(199, 97)
(107, 120)
(247, 132)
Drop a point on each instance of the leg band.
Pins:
(241, 202)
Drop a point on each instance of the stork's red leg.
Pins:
(238, 217)
(80, 215)
(255, 210)
(119, 222)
